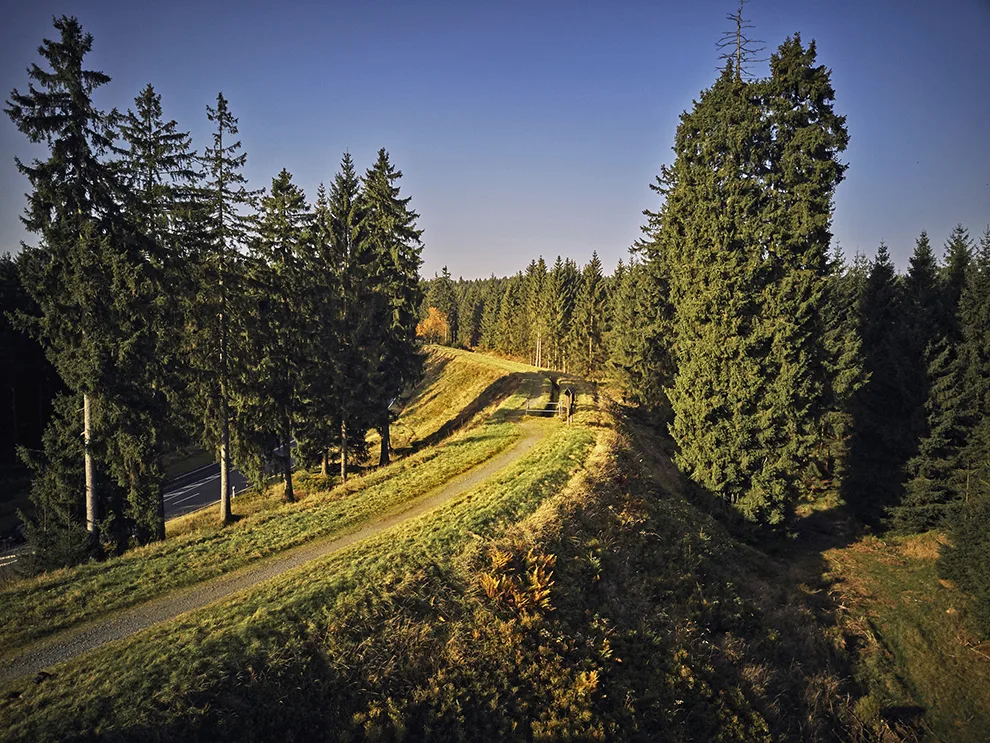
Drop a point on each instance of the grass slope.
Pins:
(576, 595)
(199, 654)
(199, 549)
(924, 675)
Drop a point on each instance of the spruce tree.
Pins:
(318, 290)
(222, 229)
(359, 313)
(882, 441)
(974, 319)
(950, 468)
(956, 259)
(156, 166)
(967, 559)
(442, 295)
(72, 208)
(470, 307)
(706, 249)
(936, 479)
(491, 301)
(275, 333)
(559, 302)
(536, 310)
(638, 355)
(389, 226)
(813, 366)
(923, 307)
(512, 336)
(590, 317)
(740, 248)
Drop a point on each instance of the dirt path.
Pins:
(73, 642)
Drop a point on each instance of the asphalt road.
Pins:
(184, 494)
(196, 489)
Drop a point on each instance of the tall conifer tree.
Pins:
(318, 423)
(72, 207)
(223, 230)
(537, 309)
(741, 248)
(389, 227)
(881, 441)
(441, 295)
(156, 165)
(275, 336)
(359, 312)
(590, 317)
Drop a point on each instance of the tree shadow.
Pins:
(494, 394)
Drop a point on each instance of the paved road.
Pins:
(196, 489)
(184, 494)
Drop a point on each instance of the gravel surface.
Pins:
(72, 642)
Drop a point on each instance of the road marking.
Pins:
(173, 494)
(193, 472)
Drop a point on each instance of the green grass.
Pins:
(35, 608)
(457, 385)
(195, 657)
(923, 674)
(569, 597)
(577, 594)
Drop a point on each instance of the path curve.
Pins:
(75, 641)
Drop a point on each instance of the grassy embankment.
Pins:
(199, 549)
(924, 675)
(573, 595)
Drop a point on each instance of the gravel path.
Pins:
(73, 642)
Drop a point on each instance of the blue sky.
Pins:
(529, 128)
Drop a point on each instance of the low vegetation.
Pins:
(200, 549)
(923, 672)
(569, 596)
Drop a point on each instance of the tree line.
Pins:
(782, 371)
(177, 306)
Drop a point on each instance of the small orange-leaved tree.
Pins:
(435, 328)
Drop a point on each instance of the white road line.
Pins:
(194, 495)
(193, 472)
(172, 495)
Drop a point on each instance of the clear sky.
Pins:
(529, 128)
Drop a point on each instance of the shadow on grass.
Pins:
(787, 573)
(496, 393)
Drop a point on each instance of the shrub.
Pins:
(967, 560)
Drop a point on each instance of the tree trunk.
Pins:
(343, 451)
(289, 496)
(225, 513)
(324, 464)
(386, 437)
(92, 507)
(160, 514)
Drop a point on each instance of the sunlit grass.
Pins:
(199, 549)
(179, 661)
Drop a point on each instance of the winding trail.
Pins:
(72, 642)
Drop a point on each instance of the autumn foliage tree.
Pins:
(434, 328)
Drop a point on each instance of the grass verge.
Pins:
(199, 655)
(37, 607)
